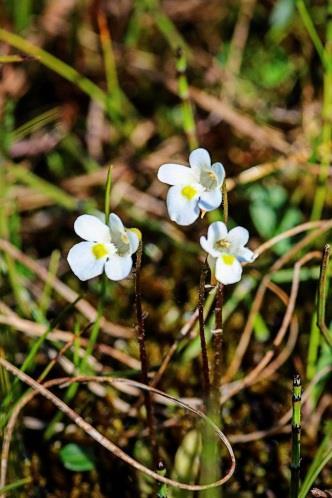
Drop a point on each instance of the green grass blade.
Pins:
(22, 174)
(189, 125)
(323, 456)
(56, 65)
(108, 194)
(309, 25)
(15, 485)
(36, 123)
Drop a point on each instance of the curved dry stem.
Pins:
(97, 436)
(324, 224)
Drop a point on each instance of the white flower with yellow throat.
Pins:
(106, 248)
(226, 250)
(193, 189)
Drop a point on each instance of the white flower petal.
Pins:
(210, 200)
(118, 267)
(199, 159)
(246, 255)
(91, 228)
(220, 172)
(207, 245)
(83, 263)
(238, 237)
(217, 231)
(116, 224)
(180, 209)
(228, 269)
(133, 241)
(176, 174)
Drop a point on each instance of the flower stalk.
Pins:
(205, 360)
(217, 346)
(140, 328)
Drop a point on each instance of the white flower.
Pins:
(226, 251)
(108, 248)
(193, 189)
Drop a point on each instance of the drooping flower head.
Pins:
(106, 248)
(226, 250)
(194, 188)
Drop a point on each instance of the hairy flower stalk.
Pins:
(217, 344)
(140, 328)
(205, 360)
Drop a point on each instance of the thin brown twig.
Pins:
(318, 493)
(324, 224)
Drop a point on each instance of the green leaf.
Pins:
(262, 332)
(187, 460)
(264, 219)
(291, 218)
(76, 458)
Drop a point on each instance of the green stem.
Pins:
(309, 25)
(56, 65)
(325, 148)
(108, 195)
(210, 460)
(296, 437)
(15, 485)
(322, 295)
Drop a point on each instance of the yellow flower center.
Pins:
(222, 244)
(99, 251)
(189, 192)
(228, 259)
